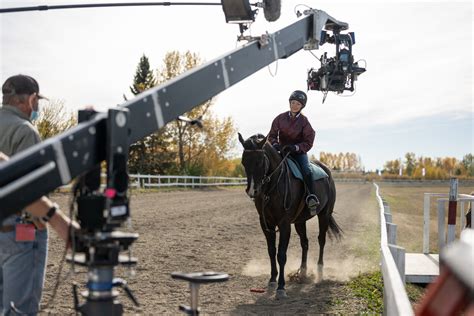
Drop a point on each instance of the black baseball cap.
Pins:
(21, 84)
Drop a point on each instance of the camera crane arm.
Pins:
(56, 161)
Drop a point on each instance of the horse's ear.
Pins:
(241, 139)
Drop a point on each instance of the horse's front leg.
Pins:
(285, 232)
(301, 230)
(270, 236)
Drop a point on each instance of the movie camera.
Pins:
(336, 73)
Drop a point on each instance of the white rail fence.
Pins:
(157, 181)
(395, 297)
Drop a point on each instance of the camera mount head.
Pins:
(336, 73)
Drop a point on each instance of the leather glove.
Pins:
(277, 147)
(290, 149)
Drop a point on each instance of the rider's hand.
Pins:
(277, 147)
(290, 148)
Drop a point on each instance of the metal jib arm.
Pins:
(56, 161)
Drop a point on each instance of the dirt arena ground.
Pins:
(218, 230)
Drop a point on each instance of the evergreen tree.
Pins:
(144, 78)
(150, 155)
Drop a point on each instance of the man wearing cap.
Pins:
(23, 237)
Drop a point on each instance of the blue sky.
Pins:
(415, 97)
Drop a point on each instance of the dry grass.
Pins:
(406, 204)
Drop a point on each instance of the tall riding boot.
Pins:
(311, 200)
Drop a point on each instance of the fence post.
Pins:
(398, 254)
(452, 206)
(388, 217)
(461, 218)
(392, 233)
(441, 221)
(426, 224)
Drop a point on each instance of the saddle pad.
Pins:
(316, 171)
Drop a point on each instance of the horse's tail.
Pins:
(334, 229)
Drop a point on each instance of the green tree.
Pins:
(468, 163)
(150, 155)
(144, 78)
(410, 163)
(54, 119)
(392, 166)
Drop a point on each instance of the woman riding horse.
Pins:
(279, 196)
(292, 133)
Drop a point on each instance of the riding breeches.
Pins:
(303, 161)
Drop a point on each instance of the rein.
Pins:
(267, 179)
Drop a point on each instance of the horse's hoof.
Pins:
(272, 286)
(320, 273)
(302, 272)
(281, 294)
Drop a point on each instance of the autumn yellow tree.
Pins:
(54, 119)
(199, 151)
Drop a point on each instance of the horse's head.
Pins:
(255, 163)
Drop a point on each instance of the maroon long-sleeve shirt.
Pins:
(288, 130)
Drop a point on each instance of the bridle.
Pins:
(267, 179)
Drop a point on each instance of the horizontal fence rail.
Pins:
(156, 181)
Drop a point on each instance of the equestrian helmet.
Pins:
(299, 96)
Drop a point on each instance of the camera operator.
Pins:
(24, 235)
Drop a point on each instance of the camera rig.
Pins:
(100, 137)
(98, 244)
(336, 73)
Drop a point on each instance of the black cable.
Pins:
(101, 5)
(70, 239)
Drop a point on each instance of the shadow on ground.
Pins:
(316, 298)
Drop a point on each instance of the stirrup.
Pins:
(312, 202)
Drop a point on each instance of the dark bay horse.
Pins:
(280, 201)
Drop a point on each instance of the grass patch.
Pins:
(415, 293)
(369, 288)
